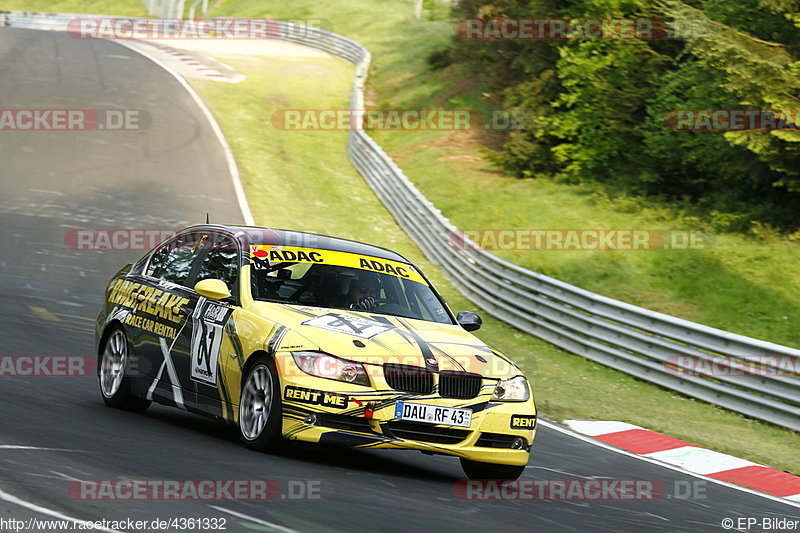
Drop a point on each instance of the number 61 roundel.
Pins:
(209, 319)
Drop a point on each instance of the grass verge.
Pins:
(122, 8)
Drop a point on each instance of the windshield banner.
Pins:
(266, 257)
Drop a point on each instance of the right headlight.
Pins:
(515, 389)
(327, 366)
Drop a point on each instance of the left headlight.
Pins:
(515, 389)
(327, 366)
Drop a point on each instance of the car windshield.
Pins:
(341, 280)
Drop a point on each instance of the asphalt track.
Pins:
(170, 175)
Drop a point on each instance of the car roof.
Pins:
(284, 237)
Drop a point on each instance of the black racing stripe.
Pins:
(455, 362)
(404, 334)
(299, 428)
(224, 398)
(230, 328)
(295, 416)
(504, 358)
(298, 311)
(378, 443)
(296, 408)
(275, 340)
(480, 347)
(388, 348)
(272, 331)
(342, 438)
(382, 319)
(477, 407)
(424, 347)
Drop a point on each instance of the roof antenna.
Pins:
(207, 218)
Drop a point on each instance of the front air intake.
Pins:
(461, 385)
(408, 378)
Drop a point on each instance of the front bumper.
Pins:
(327, 411)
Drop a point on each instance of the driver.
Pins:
(364, 292)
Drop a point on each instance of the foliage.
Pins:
(598, 110)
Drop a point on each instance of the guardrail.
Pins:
(40, 21)
(165, 9)
(648, 345)
(203, 8)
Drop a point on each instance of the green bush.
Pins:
(597, 109)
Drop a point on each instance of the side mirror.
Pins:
(213, 289)
(469, 320)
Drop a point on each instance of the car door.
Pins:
(172, 302)
(208, 337)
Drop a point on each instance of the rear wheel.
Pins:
(260, 407)
(478, 470)
(114, 381)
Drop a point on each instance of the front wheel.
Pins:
(478, 470)
(114, 384)
(260, 408)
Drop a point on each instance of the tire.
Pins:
(260, 417)
(478, 470)
(115, 385)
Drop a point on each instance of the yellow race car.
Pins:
(299, 336)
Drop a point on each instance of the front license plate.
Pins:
(433, 414)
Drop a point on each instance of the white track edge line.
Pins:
(236, 178)
(602, 444)
(10, 498)
(23, 447)
(254, 519)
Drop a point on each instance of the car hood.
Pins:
(378, 339)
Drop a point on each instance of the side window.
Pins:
(157, 260)
(221, 262)
(173, 262)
